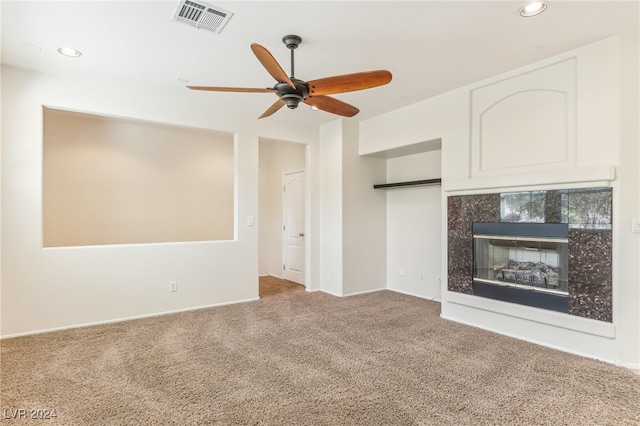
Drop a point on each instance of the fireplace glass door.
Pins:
(523, 262)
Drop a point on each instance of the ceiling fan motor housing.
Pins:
(292, 97)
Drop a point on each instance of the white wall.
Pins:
(606, 134)
(364, 217)
(276, 157)
(61, 287)
(331, 207)
(353, 214)
(414, 226)
(626, 266)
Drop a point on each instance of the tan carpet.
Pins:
(271, 286)
(301, 358)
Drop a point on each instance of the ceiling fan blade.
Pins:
(332, 105)
(348, 82)
(273, 108)
(271, 65)
(231, 89)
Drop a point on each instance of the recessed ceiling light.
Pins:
(533, 9)
(68, 51)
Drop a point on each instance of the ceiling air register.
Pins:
(202, 15)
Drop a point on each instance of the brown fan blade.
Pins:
(348, 82)
(332, 105)
(273, 108)
(271, 65)
(232, 89)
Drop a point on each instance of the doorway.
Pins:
(277, 158)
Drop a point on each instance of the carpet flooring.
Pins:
(299, 358)
(271, 286)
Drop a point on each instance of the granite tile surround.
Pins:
(586, 211)
(590, 291)
(460, 211)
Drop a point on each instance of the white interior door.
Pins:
(293, 226)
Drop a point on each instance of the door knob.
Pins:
(301, 234)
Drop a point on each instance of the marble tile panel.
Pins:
(553, 207)
(462, 211)
(590, 273)
(460, 265)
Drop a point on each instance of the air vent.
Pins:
(202, 15)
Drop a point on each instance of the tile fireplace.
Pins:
(545, 249)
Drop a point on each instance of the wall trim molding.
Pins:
(517, 120)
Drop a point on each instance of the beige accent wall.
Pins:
(117, 181)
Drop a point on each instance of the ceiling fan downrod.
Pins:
(292, 42)
(292, 97)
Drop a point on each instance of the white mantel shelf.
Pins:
(593, 176)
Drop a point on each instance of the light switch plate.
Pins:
(250, 221)
(635, 226)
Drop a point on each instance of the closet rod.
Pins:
(409, 183)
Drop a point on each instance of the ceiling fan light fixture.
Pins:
(533, 9)
(69, 51)
(292, 100)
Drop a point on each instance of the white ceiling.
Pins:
(430, 47)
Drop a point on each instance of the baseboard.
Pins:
(432, 299)
(364, 292)
(331, 293)
(271, 275)
(376, 290)
(91, 324)
(631, 366)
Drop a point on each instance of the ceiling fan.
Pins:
(291, 91)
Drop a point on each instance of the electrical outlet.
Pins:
(402, 272)
(173, 286)
(635, 226)
(421, 276)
